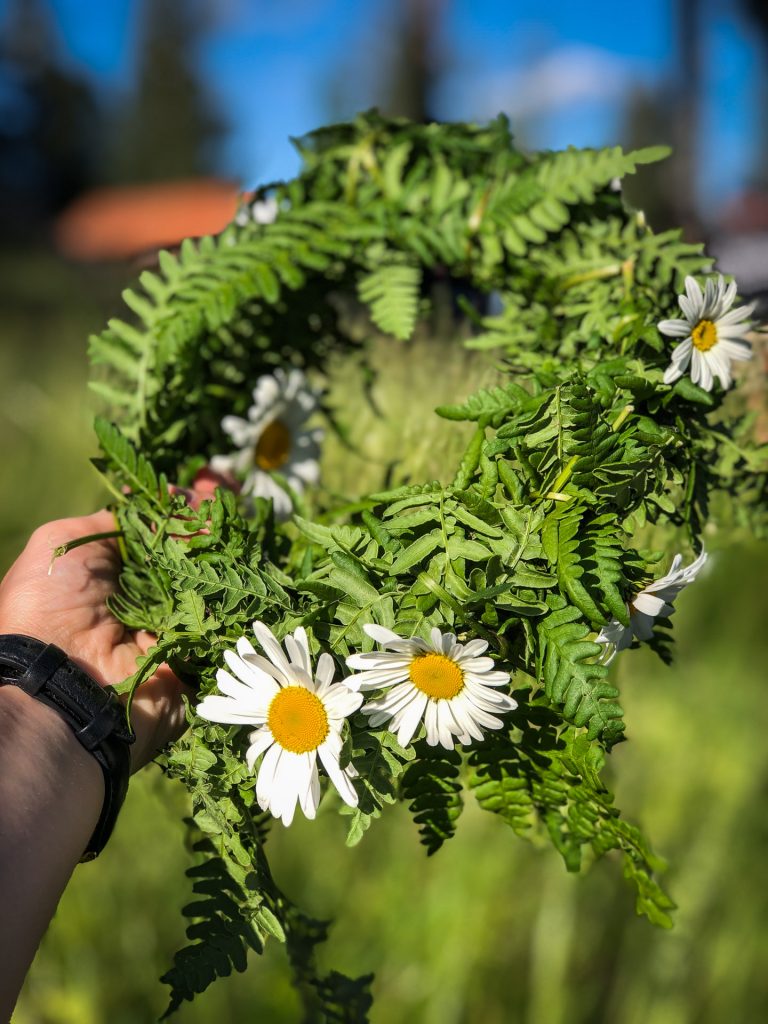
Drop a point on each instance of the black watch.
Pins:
(95, 715)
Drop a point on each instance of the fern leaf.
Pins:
(571, 677)
(431, 784)
(392, 294)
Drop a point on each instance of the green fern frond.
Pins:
(392, 294)
(432, 787)
(566, 664)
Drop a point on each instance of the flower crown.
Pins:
(434, 638)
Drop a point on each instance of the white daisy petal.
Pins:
(297, 647)
(729, 294)
(474, 649)
(272, 648)
(489, 699)
(694, 293)
(691, 310)
(249, 672)
(713, 293)
(227, 711)
(642, 626)
(266, 776)
(341, 702)
(244, 647)
(648, 603)
(681, 353)
(489, 678)
(237, 428)
(738, 350)
(391, 705)
(256, 697)
(325, 671)
(310, 800)
(409, 718)
(465, 718)
(293, 779)
(735, 316)
(430, 723)
(381, 634)
(444, 734)
(705, 372)
(338, 777)
(260, 740)
(675, 328)
(374, 679)
(721, 368)
(221, 464)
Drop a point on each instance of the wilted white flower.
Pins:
(712, 333)
(300, 715)
(653, 602)
(274, 440)
(445, 683)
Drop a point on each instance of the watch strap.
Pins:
(94, 714)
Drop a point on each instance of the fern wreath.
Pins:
(440, 638)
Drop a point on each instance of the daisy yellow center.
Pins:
(273, 447)
(297, 719)
(704, 335)
(437, 676)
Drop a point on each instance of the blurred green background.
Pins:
(491, 929)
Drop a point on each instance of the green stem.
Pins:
(565, 474)
(62, 549)
(623, 415)
(610, 270)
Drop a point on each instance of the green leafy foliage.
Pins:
(431, 785)
(548, 782)
(526, 544)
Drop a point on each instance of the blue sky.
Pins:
(561, 69)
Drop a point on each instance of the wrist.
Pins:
(95, 720)
(34, 734)
(51, 793)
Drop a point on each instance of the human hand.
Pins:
(67, 606)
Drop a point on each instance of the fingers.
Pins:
(157, 710)
(205, 485)
(157, 716)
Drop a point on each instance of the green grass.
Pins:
(491, 930)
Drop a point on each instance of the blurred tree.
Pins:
(686, 103)
(169, 126)
(669, 115)
(757, 11)
(649, 121)
(49, 122)
(397, 68)
(416, 62)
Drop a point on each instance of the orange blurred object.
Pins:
(125, 221)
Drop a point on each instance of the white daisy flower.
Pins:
(274, 440)
(653, 602)
(300, 715)
(446, 684)
(712, 333)
(260, 211)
